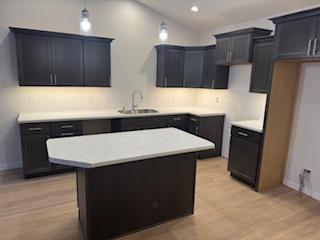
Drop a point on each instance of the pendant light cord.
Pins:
(85, 4)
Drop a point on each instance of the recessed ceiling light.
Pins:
(195, 8)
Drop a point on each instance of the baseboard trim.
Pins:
(308, 191)
(8, 166)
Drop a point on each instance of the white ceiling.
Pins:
(219, 13)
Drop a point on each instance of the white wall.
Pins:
(304, 147)
(238, 103)
(135, 29)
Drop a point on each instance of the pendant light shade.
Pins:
(85, 25)
(163, 32)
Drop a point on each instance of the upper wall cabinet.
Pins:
(262, 63)
(190, 67)
(59, 59)
(297, 35)
(170, 63)
(236, 47)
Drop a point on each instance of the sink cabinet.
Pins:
(35, 135)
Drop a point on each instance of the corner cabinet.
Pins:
(190, 67)
(298, 35)
(236, 47)
(60, 59)
(170, 66)
(262, 64)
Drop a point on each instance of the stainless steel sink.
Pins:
(138, 111)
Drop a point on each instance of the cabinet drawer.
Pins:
(246, 134)
(34, 128)
(142, 123)
(64, 129)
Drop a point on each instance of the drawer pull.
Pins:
(35, 129)
(243, 134)
(193, 119)
(67, 134)
(177, 119)
(67, 126)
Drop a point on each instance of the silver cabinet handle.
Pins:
(67, 126)
(51, 80)
(176, 119)
(315, 46)
(165, 81)
(193, 119)
(34, 129)
(309, 47)
(243, 134)
(67, 134)
(227, 56)
(197, 130)
(230, 58)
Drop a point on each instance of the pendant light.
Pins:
(85, 25)
(163, 30)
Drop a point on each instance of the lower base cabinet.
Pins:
(35, 135)
(244, 155)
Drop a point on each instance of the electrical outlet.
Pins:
(217, 99)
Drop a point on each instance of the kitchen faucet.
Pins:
(133, 106)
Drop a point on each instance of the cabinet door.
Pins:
(97, 63)
(174, 68)
(211, 128)
(178, 121)
(240, 49)
(34, 55)
(223, 49)
(215, 76)
(243, 159)
(316, 46)
(35, 156)
(293, 38)
(194, 125)
(67, 61)
(193, 68)
(261, 67)
(209, 68)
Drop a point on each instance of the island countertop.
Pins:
(36, 117)
(113, 148)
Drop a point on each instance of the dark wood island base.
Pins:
(119, 199)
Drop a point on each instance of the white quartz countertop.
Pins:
(253, 125)
(113, 148)
(34, 117)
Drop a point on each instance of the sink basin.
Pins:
(138, 111)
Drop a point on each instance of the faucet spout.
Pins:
(133, 106)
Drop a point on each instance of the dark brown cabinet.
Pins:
(190, 67)
(193, 67)
(35, 135)
(236, 47)
(297, 35)
(170, 63)
(34, 60)
(59, 59)
(262, 63)
(97, 72)
(214, 76)
(244, 154)
(67, 64)
(210, 128)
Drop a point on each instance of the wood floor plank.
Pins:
(46, 208)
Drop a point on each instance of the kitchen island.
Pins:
(129, 181)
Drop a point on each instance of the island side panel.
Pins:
(128, 197)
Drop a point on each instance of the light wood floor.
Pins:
(45, 208)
